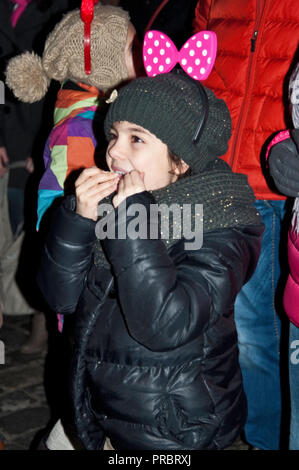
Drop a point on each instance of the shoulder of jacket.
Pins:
(224, 235)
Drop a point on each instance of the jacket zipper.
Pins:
(245, 105)
(252, 40)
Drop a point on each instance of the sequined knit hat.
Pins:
(29, 76)
(170, 107)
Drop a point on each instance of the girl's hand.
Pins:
(130, 183)
(4, 160)
(29, 165)
(92, 186)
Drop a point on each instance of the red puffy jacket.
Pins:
(257, 41)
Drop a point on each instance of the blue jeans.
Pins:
(258, 327)
(294, 386)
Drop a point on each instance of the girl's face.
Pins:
(134, 148)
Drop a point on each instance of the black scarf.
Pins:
(226, 197)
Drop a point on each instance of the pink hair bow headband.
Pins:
(196, 57)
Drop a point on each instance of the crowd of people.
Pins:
(170, 345)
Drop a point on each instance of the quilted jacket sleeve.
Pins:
(284, 162)
(170, 299)
(66, 258)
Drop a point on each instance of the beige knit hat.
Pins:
(29, 76)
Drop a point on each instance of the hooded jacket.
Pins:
(257, 41)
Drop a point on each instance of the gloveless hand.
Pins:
(3, 161)
(130, 183)
(29, 165)
(92, 186)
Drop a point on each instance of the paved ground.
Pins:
(25, 412)
(23, 405)
(25, 394)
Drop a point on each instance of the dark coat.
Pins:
(21, 123)
(175, 18)
(156, 355)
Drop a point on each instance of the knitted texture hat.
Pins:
(29, 76)
(170, 107)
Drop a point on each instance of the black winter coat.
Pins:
(156, 354)
(175, 18)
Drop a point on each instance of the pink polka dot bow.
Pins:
(196, 57)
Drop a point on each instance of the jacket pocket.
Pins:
(190, 429)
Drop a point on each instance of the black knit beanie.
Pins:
(170, 107)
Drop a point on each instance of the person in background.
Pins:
(76, 140)
(81, 102)
(257, 41)
(24, 26)
(284, 169)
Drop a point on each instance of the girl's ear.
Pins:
(181, 168)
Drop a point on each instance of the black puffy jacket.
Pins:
(156, 356)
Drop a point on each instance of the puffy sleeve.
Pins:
(66, 258)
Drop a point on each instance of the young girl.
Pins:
(155, 362)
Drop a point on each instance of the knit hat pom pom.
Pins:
(26, 77)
